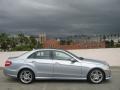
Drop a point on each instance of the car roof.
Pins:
(48, 49)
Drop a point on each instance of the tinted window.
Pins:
(40, 55)
(61, 55)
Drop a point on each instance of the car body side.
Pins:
(85, 66)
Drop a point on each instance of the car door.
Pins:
(64, 67)
(42, 62)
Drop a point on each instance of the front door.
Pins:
(64, 67)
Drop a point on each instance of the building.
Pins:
(55, 43)
(42, 38)
(52, 43)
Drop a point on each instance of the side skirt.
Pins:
(60, 78)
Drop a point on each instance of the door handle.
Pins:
(33, 61)
(57, 63)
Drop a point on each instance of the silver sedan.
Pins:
(55, 64)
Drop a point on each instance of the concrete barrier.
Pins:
(110, 55)
(4, 56)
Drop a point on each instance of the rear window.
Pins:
(23, 54)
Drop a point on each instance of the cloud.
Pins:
(60, 17)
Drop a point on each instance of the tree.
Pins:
(21, 38)
(4, 41)
(118, 35)
(104, 37)
(62, 42)
(69, 42)
(21, 42)
(100, 36)
(115, 35)
(33, 42)
(111, 43)
(111, 36)
(12, 42)
(108, 36)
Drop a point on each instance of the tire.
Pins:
(96, 76)
(26, 76)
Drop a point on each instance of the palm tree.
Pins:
(108, 37)
(111, 36)
(118, 35)
(100, 36)
(104, 37)
(115, 35)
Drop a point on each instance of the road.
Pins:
(13, 84)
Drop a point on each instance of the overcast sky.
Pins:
(60, 17)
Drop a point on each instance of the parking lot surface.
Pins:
(13, 84)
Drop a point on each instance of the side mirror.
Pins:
(73, 60)
(81, 58)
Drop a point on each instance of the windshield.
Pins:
(73, 54)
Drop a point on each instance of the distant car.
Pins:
(55, 64)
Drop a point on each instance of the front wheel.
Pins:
(26, 76)
(96, 76)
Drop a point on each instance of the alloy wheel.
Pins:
(26, 76)
(96, 76)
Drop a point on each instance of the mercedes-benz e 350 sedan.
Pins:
(55, 64)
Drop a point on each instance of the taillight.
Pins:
(8, 63)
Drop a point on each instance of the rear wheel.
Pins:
(96, 76)
(26, 76)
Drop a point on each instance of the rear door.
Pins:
(42, 62)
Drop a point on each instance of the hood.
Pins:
(94, 61)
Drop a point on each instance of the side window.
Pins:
(61, 55)
(40, 55)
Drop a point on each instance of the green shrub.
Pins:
(22, 48)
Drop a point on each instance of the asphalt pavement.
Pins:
(13, 84)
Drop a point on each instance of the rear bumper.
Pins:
(10, 73)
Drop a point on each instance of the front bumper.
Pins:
(108, 74)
